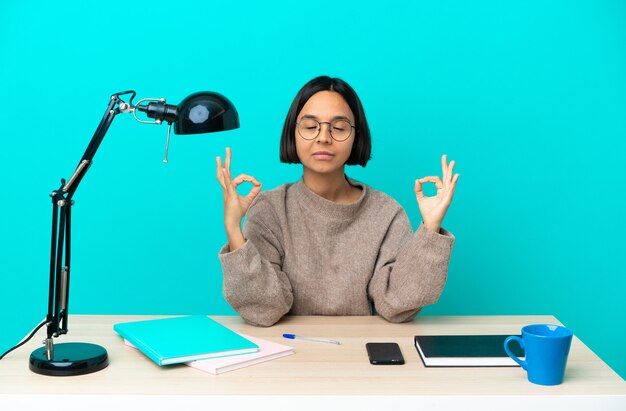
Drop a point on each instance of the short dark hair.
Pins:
(362, 146)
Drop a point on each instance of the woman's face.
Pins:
(323, 154)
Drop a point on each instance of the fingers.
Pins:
(223, 173)
(419, 192)
(445, 187)
(255, 190)
(453, 186)
(223, 177)
(447, 170)
(432, 179)
(244, 178)
(450, 175)
(219, 172)
(229, 155)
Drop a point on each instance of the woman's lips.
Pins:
(323, 155)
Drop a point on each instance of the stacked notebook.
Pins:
(267, 351)
(465, 351)
(198, 341)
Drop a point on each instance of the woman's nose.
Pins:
(324, 135)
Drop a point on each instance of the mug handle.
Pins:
(521, 344)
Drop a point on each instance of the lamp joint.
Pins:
(49, 348)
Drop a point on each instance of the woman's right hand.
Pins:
(235, 205)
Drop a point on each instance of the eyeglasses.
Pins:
(309, 128)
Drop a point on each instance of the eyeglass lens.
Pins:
(309, 129)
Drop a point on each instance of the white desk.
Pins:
(321, 375)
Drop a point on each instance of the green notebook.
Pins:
(182, 339)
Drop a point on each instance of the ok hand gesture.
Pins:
(235, 205)
(433, 209)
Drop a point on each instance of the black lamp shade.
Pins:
(205, 112)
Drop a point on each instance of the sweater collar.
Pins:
(328, 208)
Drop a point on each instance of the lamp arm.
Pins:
(116, 106)
(60, 250)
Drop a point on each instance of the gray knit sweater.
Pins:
(305, 255)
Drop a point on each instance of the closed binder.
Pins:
(465, 351)
(182, 339)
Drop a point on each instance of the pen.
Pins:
(322, 340)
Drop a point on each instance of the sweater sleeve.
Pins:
(254, 283)
(411, 269)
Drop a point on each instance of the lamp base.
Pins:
(69, 359)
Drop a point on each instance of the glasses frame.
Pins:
(319, 129)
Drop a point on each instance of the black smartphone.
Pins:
(384, 353)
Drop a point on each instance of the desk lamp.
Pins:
(203, 112)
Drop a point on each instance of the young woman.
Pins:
(329, 245)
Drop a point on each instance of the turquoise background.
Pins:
(529, 98)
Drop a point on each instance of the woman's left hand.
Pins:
(433, 209)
